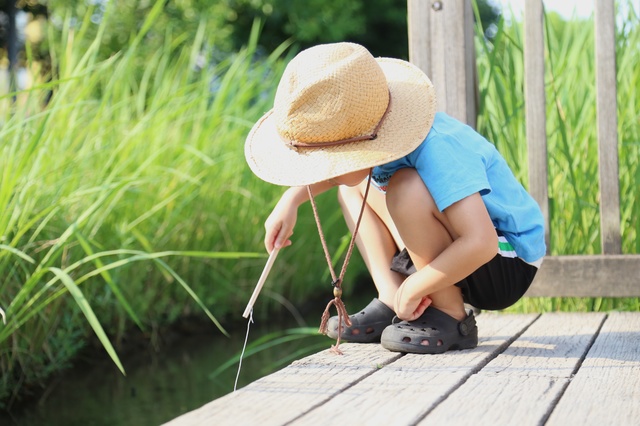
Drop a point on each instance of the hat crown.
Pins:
(330, 93)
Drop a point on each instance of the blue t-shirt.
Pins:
(455, 161)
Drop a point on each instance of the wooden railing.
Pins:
(441, 44)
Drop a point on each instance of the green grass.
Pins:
(126, 201)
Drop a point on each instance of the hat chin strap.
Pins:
(337, 280)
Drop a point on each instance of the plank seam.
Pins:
(341, 390)
(503, 347)
(556, 400)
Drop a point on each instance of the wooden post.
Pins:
(441, 44)
(419, 23)
(535, 107)
(607, 127)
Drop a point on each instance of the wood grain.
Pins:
(402, 392)
(521, 385)
(588, 276)
(606, 389)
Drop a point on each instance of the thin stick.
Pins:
(244, 347)
(263, 278)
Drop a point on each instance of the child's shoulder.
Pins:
(445, 125)
(449, 133)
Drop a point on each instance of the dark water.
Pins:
(159, 386)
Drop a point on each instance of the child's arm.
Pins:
(280, 223)
(475, 245)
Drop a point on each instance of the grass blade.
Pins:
(84, 306)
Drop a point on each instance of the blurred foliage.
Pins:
(379, 25)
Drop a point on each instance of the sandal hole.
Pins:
(425, 342)
(406, 339)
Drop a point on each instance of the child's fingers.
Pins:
(282, 240)
(413, 313)
(270, 238)
(286, 243)
(422, 306)
(277, 238)
(425, 302)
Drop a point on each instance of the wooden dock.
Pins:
(553, 369)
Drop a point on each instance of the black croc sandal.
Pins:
(366, 325)
(433, 333)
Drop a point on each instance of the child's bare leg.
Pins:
(424, 230)
(375, 240)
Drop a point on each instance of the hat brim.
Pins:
(408, 121)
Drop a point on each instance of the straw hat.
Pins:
(337, 110)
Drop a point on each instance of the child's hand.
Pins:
(279, 225)
(409, 307)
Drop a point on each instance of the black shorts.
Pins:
(497, 284)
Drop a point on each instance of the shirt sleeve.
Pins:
(450, 170)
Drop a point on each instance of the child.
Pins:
(449, 225)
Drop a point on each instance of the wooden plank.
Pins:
(471, 90)
(441, 44)
(521, 385)
(438, 49)
(457, 55)
(535, 107)
(281, 397)
(453, 18)
(454, 58)
(607, 126)
(419, 25)
(588, 276)
(403, 391)
(606, 390)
